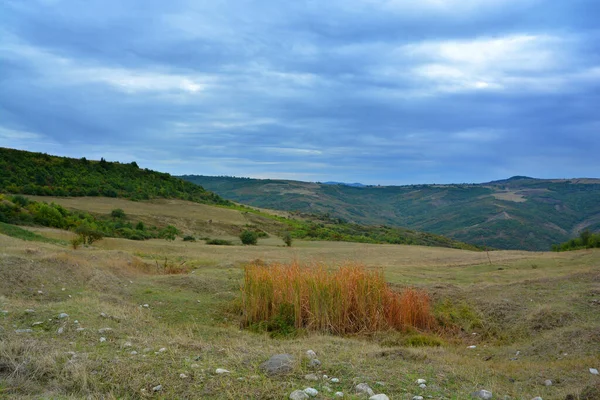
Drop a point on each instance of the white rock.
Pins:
(182, 376)
(29, 311)
(146, 305)
(4, 312)
(104, 330)
(311, 377)
(102, 339)
(80, 329)
(364, 388)
(162, 349)
(593, 371)
(70, 296)
(417, 398)
(335, 380)
(537, 398)
(37, 323)
(471, 347)
(195, 366)
(420, 381)
(63, 315)
(378, 383)
(221, 371)
(547, 382)
(311, 354)
(133, 353)
(338, 394)
(157, 388)
(325, 377)
(380, 396)
(127, 344)
(298, 395)
(312, 392)
(103, 315)
(423, 386)
(60, 330)
(482, 394)
(314, 363)
(76, 322)
(23, 330)
(40, 292)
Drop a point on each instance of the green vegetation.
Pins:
(20, 233)
(248, 237)
(517, 213)
(41, 174)
(586, 240)
(18, 210)
(219, 242)
(287, 239)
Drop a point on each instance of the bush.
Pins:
(169, 233)
(189, 238)
(287, 239)
(219, 242)
(117, 213)
(348, 300)
(249, 237)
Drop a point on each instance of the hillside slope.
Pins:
(517, 213)
(45, 175)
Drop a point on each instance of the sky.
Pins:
(372, 91)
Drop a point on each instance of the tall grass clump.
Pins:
(346, 300)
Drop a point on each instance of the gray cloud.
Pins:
(382, 92)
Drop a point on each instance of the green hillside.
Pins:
(517, 213)
(44, 175)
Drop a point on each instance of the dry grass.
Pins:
(345, 300)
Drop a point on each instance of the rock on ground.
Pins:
(278, 364)
(298, 395)
(482, 394)
(312, 392)
(221, 371)
(380, 396)
(311, 354)
(364, 388)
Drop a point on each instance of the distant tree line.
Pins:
(23, 172)
(586, 240)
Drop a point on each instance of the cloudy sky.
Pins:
(374, 91)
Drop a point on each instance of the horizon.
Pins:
(389, 93)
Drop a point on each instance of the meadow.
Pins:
(174, 313)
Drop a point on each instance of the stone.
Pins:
(311, 354)
(133, 352)
(162, 349)
(593, 371)
(37, 323)
(335, 380)
(221, 371)
(421, 381)
(311, 377)
(157, 388)
(146, 306)
(537, 398)
(182, 376)
(363, 388)
(471, 347)
(380, 396)
(547, 382)
(338, 394)
(423, 386)
(29, 311)
(76, 322)
(102, 339)
(278, 364)
(314, 363)
(80, 329)
(104, 315)
(482, 394)
(312, 392)
(104, 330)
(298, 395)
(417, 398)
(23, 330)
(60, 330)
(63, 315)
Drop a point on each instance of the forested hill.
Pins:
(516, 213)
(25, 172)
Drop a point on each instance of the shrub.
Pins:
(249, 237)
(117, 213)
(169, 233)
(287, 239)
(347, 300)
(219, 242)
(189, 238)
(76, 242)
(88, 234)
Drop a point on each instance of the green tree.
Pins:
(249, 237)
(117, 213)
(287, 239)
(169, 233)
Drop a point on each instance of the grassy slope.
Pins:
(513, 214)
(537, 303)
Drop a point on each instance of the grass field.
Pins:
(543, 306)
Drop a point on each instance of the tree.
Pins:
(117, 213)
(287, 239)
(249, 237)
(169, 233)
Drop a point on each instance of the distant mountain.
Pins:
(516, 213)
(356, 184)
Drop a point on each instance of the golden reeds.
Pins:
(345, 300)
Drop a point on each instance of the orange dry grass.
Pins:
(347, 300)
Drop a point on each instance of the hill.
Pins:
(45, 175)
(516, 213)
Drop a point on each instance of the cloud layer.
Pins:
(387, 92)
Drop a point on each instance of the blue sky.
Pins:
(374, 91)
